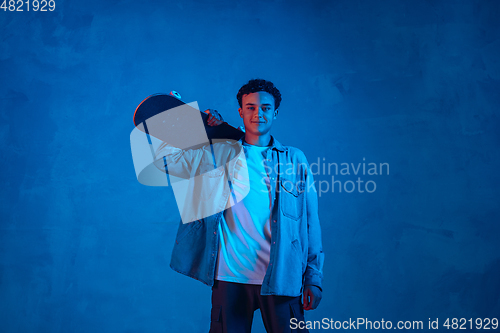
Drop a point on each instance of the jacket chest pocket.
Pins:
(292, 196)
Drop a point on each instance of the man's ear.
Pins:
(240, 112)
(275, 113)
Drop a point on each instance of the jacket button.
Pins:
(274, 221)
(215, 232)
(274, 242)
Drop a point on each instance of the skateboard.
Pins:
(165, 119)
(151, 117)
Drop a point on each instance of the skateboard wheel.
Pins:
(175, 94)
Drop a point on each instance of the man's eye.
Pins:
(251, 108)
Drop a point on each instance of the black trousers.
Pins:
(233, 306)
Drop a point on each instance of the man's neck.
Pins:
(258, 140)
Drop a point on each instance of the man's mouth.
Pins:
(258, 122)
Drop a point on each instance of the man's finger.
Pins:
(306, 302)
(311, 301)
(316, 302)
(210, 119)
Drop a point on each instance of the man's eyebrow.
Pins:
(261, 104)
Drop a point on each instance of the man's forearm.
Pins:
(315, 256)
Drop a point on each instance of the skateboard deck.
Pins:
(170, 119)
(199, 179)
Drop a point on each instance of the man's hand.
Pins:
(214, 117)
(312, 297)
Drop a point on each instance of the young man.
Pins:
(263, 251)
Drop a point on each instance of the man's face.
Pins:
(257, 111)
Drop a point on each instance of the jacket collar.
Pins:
(275, 144)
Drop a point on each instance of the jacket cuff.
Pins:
(314, 279)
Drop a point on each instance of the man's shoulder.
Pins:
(295, 153)
(293, 150)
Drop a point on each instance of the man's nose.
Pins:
(260, 112)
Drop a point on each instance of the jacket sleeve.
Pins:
(183, 163)
(315, 255)
(188, 163)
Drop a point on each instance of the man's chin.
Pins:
(253, 132)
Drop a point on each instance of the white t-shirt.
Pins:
(245, 230)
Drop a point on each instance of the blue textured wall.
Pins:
(84, 247)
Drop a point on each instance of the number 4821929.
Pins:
(33, 5)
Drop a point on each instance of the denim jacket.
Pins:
(296, 257)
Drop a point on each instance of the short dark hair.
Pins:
(256, 85)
